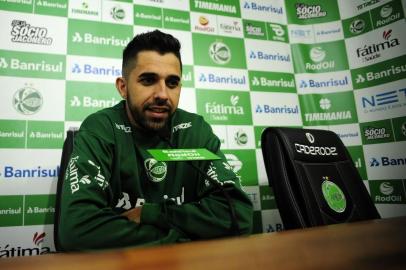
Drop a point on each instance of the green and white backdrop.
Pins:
(248, 64)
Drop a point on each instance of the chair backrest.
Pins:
(66, 153)
(314, 179)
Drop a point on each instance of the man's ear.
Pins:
(121, 85)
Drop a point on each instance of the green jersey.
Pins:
(111, 171)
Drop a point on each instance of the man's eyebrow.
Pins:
(148, 74)
(176, 77)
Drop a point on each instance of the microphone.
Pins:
(234, 224)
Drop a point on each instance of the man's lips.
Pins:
(157, 111)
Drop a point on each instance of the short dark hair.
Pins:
(150, 41)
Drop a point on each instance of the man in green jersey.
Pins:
(115, 194)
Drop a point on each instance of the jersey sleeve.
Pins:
(208, 217)
(87, 216)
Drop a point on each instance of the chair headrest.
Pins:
(312, 145)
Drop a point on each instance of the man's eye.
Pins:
(172, 83)
(147, 80)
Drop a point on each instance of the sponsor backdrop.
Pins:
(248, 64)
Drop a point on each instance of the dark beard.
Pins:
(151, 124)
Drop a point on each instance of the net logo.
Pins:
(12, 172)
(357, 26)
(373, 51)
(117, 13)
(269, 57)
(385, 98)
(220, 111)
(22, 32)
(95, 70)
(325, 105)
(36, 249)
(204, 25)
(89, 38)
(220, 53)
(27, 100)
(317, 55)
(90, 102)
(213, 78)
(261, 7)
(17, 64)
(304, 11)
(386, 161)
(323, 84)
(300, 33)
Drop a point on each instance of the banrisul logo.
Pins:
(387, 191)
(376, 132)
(220, 53)
(10, 172)
(266, 7)
(93, 69)
(372, 51)
(384, 72)
(24, 32)
(33, 65)
(220, 107)
(91, 41)
(337, 108)
(320, 81)
(318, 58)
(262, 81)
(305, 11)
(83, 98)
(386, 161)
(261, 55)
(27, 100)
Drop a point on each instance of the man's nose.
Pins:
(161, 91)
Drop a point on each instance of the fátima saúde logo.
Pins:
(333, 195)
(8, 251)
(373, 51)
(27, 100)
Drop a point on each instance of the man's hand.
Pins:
(133, 214)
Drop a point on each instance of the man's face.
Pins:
(152, 89)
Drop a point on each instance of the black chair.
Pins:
(314, 179)
(66, 153)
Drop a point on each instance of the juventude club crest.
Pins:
(27, 100)
(156, 170)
